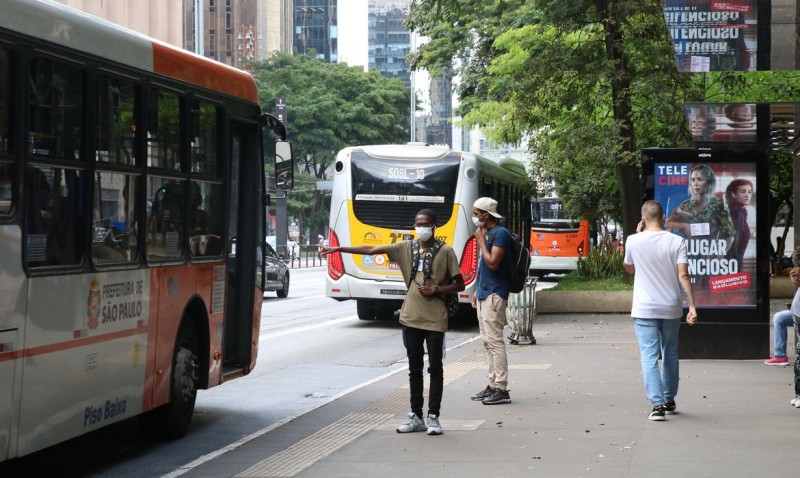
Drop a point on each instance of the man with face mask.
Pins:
(491, 297)
(423, 314)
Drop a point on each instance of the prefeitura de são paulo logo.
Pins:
(93, 305)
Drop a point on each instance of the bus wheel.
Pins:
(284, 291)
(171, 421)
(365, 310)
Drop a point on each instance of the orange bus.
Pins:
(557, 240)
(132, 208)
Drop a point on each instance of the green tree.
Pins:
(329, 107)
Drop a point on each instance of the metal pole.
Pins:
(412, 119)
(199, 28)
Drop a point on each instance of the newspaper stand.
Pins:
(520, 311)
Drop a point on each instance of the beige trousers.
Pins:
(492, 320)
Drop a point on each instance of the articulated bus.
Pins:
(132, 207)
(557, 240)
(377, 192)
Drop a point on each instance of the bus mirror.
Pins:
(284, 166)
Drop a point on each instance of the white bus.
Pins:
(132, 213)
(377, 192)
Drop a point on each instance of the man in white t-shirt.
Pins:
(657, 259)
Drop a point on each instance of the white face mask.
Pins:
(424, 233)
(477, 222)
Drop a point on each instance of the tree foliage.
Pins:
(588, 82)
(329, 107)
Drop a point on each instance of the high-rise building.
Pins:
(315, 29)
(234, 31)
(160, 19)
(389, 39)
(440, 130)
(237, 31)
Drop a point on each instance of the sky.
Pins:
(353, 30)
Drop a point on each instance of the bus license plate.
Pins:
(392, 292)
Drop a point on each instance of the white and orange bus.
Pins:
(557, 240)
(377, 192)
(132, 207)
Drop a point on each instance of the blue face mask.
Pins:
(424, 233)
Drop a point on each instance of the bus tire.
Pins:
(283, 292)
(171, 420)
(365, 310)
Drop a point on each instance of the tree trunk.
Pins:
(627, 173)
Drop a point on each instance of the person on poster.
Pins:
(703, 214)
(703, 122)
(738, 195)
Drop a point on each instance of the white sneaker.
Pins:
(414, 424)
(434, 427)
(795, 402)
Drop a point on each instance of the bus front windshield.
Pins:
(389, 192)
(549, 211)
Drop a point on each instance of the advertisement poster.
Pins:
(712, 205)
(710, 35)
(722, 123)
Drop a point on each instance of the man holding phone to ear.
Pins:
(658, 261)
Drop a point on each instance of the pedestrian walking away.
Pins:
(657, 259)
(491, 296)
(430, 268)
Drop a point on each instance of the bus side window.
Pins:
(165, 219)
(207, 218)
(114, 229)
(54, 233)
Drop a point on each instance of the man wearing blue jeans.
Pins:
(781, 321)
(657, 260)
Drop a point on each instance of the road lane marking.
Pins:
(308, 327)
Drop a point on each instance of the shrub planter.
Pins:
(605, 302)
(589, 301)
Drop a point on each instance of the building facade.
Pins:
(160, 19)
(237, 31)
(315, 29)
(389, 39)
(440, 129)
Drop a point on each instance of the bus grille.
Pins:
(397, 215)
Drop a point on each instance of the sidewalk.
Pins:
(578, 409)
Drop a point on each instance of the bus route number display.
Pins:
(406, 173)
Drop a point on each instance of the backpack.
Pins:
(450, 300)
(520, 261)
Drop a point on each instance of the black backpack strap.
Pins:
(414, 261)
(427, 260)
(428, 266)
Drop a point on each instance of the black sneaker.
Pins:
(657, 415)
(497, 397)
(478, 397)
(669, 407)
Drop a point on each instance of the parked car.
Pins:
(277, 273)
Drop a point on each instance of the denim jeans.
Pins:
(796, 321)
(415, 341)
(659, 337)
(781, 320)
